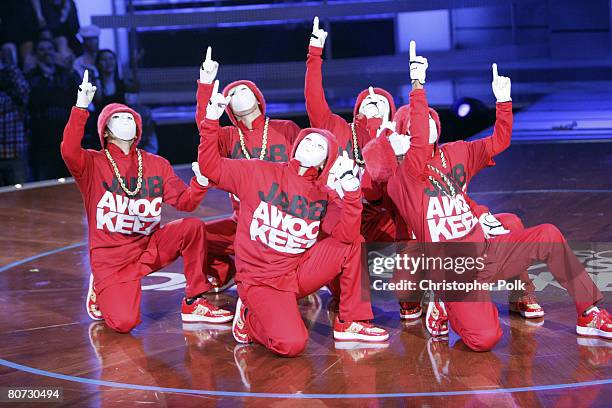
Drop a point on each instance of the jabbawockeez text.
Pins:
(117, 213)
(449, 218)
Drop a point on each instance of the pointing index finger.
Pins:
(412, 50)
(495, 75)
(215, 87)
(208, 53)
(371, 91)
(315, 24)
(85, 77)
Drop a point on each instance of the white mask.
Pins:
(375, 106)
(312, 150)
(123, 126)
(243, 99)
(433, 131)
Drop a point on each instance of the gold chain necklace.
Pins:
(118, 175)
(356, 146)
(453, 192)
(263, 145)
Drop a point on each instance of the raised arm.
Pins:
(228, 174)
(76, 158)
(420, 149)
(318, 110)
(482, 151)
(208, 73)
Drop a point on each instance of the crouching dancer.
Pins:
(123, 189)
(294, 235)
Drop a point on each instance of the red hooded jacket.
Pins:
(120, 226)
(282, 214)
(281, 133)
(433, 216)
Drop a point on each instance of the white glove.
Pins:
(209, 68)
(86, 92)
(501, 86)
(217, 103)
(418, 65)
(399, 143)
(491, 225)
(318, 36)
(345, 170)
(203, 181)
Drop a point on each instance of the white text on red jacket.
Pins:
(288, 225)
(116, 213)
(449, 218)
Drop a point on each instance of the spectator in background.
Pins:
(91, 44)
(59, 18)
(90, 36)
(111, 87)
(14, 93)
(19, 29)
(51, 98)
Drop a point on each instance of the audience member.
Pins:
(111, 87)
(52, 93)
(14, 93)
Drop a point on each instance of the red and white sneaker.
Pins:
(239, 329)
(436, 318)
(527, 306)
(363, 331)
(597, 323)
(201, 310)
(91, 302)
(410, 310)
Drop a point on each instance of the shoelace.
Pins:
(603, 317)
(209, 305)
(438, 323)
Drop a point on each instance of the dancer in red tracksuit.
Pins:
(438, 210)
(374, 108)
(521, 302)
(123, 189)
(294, 235)
(253, 135)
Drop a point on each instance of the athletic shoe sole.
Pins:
(357, 345)
(358, 336)
(89, 293)
(411, 316)
(527, 315)
(196, 326)
(593, 332)
(191, 318)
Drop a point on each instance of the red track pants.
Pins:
(478, 323)
(273, 318)
(220, 236)
(120, 303)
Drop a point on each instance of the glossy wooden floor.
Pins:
(46, 338)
